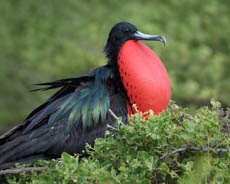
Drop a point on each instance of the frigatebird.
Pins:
(79, 112)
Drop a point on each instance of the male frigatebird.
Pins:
(79, 112)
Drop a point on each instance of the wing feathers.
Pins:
(75, 115)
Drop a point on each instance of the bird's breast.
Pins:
(144, 77)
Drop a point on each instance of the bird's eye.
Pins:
(126, 30)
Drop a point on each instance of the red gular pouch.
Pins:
(145, 78)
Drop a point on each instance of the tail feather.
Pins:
(25, 147)
(13, 142)
(19, 149)
(14, 132)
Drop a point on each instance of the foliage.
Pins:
(147, 151)
(44, 40)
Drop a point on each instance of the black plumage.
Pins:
(76, 114)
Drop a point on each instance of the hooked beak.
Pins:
(141, 36)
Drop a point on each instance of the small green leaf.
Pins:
(189, 125)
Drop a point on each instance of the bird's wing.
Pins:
(76, 114)
(84, 99)
(85, 103)
(67, 86)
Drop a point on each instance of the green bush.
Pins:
(45, 40)
(175, 147)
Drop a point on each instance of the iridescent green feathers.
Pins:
(87, 105)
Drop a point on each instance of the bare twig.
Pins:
(21, 170)
(114, 115)
(199, 149)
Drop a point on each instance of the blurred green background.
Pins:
(45, 40)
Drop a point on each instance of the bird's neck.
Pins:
(112, 54)
(112, 50)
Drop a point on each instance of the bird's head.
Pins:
(122, 32)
